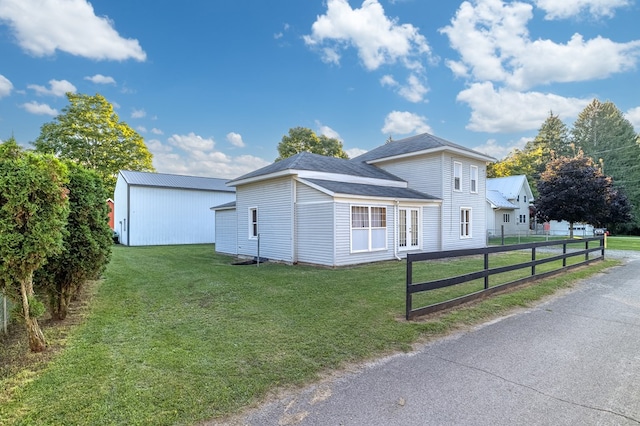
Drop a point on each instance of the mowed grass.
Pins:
(178, 335)
(622, 242)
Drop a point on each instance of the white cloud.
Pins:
(101, 79)
(633, 115)
(141, 129)
(354, 152)
(192, 142)
(378, 39)
(138, 113)
(193, 155)
(563, 9)
(57, 88)
(5, 86)
(412, 91)
(494, 45)
(39, 109)
(42, 27)
(235, 139)
(499, 152)
(156, 131)
(403, 122)
(328, 131)
(505, 110)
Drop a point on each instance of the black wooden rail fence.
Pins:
(413, 288)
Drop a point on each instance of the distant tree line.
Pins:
(601, 141)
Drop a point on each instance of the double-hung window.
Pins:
(457, 176)
(465, 222)
(506, 217)
(368, 228)
(473, 179)
(253, 223)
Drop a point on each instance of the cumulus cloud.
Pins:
(354, 152)
(493, 40)
(5, 86)
(633, 115)
(403, 122)
(413, 90)
(499, 152)
(194, 155)
(71, 26)
(138, 113)
(378, 39)
(556, 9)
(56, 88)
(156, 131)
(503, 110)
(328, 131)
(235, 139)
(101, 79)
(39, 109)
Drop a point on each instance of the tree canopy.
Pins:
(91, 134)
(302, 139)
(33, 215)
(574, 189)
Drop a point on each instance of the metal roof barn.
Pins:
(165, 209)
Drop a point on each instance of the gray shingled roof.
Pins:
(408, 145)
(321, 163)
(370, 190)
(499, 201)
(175, 181)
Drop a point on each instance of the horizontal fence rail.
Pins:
(566, 249)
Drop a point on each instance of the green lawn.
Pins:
(623, 243)
(177, 335)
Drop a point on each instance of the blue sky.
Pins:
(213, 86)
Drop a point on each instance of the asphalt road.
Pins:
(573, 360)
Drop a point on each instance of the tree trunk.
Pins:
(571, 230)
(37, 343)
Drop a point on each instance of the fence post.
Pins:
(564, 251)
(409, 279)
(5, 317)
(586, 247)
(533, 258)
(486, 268)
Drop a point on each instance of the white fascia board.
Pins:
(337, 177)
(253, 179)
(477, 156)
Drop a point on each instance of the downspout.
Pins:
(396, 230)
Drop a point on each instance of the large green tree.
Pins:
(33, 215)
(574, 189)
(605, 135)
(86, 245)
(302, 139)
(90, 133)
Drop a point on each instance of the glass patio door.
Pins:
(408, 229)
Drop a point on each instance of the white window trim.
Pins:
(250, 223)
(457, 167)
(370, 228)
(470, 223)
(471, 169)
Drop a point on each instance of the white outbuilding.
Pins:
(164, 209)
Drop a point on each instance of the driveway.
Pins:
(573, 360)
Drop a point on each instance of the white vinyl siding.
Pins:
(315, 227)
(226, 231)
(274, 201)
(431, 224)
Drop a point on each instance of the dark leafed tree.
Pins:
(574, 189)
(302, 139)
(602, 133)
(91, 134)
(33, 215)
(86, 245)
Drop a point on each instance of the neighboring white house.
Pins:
(508, 201)
(421, 193)
(161, 209)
